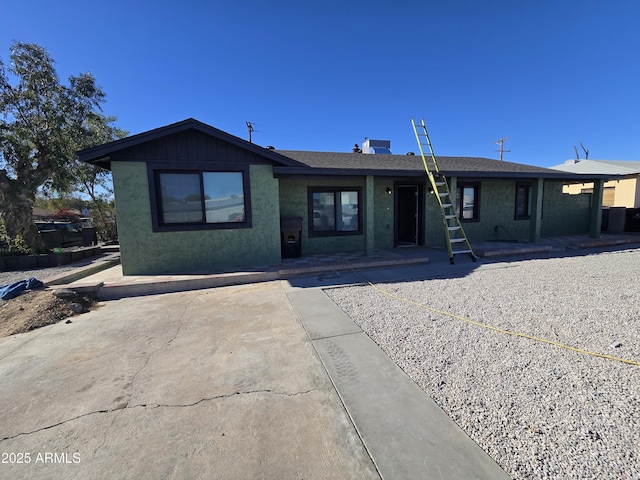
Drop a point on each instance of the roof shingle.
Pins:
(411, 165)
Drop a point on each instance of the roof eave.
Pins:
(100, 155)
(560, 176)
(350, 172)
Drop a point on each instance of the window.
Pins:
(334, 211)
(468, 201)
(523, 201)
(608, 195)
(195, 200)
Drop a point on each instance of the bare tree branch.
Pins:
(586, 152)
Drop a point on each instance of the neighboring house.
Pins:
(623, 191)
(42, 213)
(192, 198)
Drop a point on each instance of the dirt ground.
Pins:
(38, 308)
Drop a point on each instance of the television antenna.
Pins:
(250, 129)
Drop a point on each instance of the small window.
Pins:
(523, 201)
(201, 200)
(608, 195)
(468, 201)
(334, 211)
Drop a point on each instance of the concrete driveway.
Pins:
(219, 383)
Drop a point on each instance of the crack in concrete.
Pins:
(218, 397)
(151, 406)
(106, 431)
(126, 405)
(181, 321)
(11, 437)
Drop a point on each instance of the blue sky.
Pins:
(324, 75)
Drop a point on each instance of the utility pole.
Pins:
(501, 142)
(250, 129)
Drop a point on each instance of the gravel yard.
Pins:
(41, 274)
(539, 410)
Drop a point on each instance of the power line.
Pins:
(502, 150)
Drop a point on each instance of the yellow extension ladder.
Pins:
(455, 237)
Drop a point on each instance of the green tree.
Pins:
(60, 202)
(96, 182)
(43, 123)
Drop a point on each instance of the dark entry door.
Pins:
(407, 214)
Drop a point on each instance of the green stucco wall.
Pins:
(294, 202)
(497, 211)
(145, 252)
(384, 221)
(562, 215)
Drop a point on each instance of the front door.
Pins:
(407, 215)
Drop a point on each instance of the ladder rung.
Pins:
(439, 184)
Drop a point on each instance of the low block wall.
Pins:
(32, 262)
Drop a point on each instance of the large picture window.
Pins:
(200, 200)
(334, 211)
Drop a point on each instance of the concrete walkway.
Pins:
(406, 433)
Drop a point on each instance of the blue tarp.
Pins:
(13, 290)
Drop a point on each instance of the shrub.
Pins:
(66, 215)
(12, 246)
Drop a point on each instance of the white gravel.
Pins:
(540, 411)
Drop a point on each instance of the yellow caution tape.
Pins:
(502, 330)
